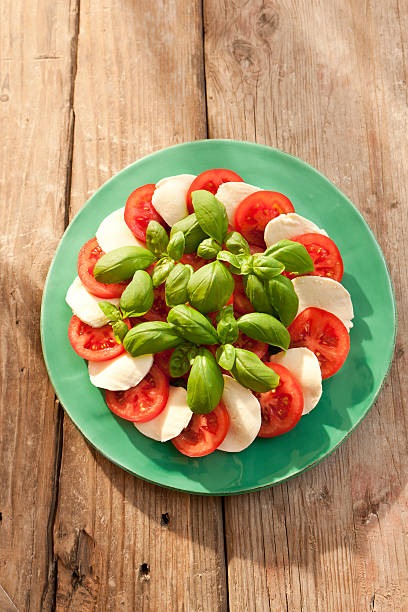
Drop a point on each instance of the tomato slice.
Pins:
(324, 334)
(241, 302)
(249, 344)
(139, 211)
(143, 402)
(253, 214)
(204, 433)
(194, 260)
(210, 180)
(87, 258)
(162, 359)
(93, 343)
(159, 310)
(325, 254)
(282, 407)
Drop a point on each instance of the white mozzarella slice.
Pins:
(306, 369)
(120, 373)
(113, 232)
(288, 226)
(171, 422)
(85, 305)
(169, 197)
(244, 413)
(324, 293)
(231, 194)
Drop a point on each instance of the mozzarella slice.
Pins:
(232, 194)
(171, 422)
(85, 305)
(305, 366)
(286, 227)
(244, 412)
(113, 232)
(169, 197)
(120, 373)
(324, 293)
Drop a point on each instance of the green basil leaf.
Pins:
(226, 311)
(180, 361)
(193, 234)
(176, 285)
(256, 292)
(151, 337)
(231, 259)
(226, 356)
(121, 264)
(266, 266)
(156, 238)
(210, 287)
(161, 270)
(265, 328)
(138, 296)
(211, 214)
(175, 248)
(247, 264)
(292, 255)
(227, 328)
(237, 244)
(192, 325)
(205, 383)
(120, 329)
(252, 373)
(208, 248)
(283, 298)
(110, 311)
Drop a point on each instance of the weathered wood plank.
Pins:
(326, 81)
(35, 124)
(121, 543)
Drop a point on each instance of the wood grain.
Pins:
(326, 81)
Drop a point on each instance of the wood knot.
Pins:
(165, 519)
(144, 572)
(267, 22)
(245, 55)
(399, 352)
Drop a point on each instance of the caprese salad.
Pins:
(210, 312)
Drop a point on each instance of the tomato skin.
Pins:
(325, 335)
(139, 211)
(162, 360)
(282, 407)
(260, 349)
(88, 255)
(159, 310)
(325, 254)
(256, 210)
(192, 259)
(204, 433)
(141, 403)
(85, 341)
(210, 180)
(241, 302)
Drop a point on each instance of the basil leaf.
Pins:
(264, 327)
(120, 329)
(292, 255)
(266, 266)
(211, 214)
(176, 285)
(237, 244)
(210, 287)
(156, 238)
(252, 373)
(256, 292)
(110, 311)
(226, 311)
(247, 264)
(208, 248)
(121, 264)
(283, 298)
(180, 362)
(138, 296)
(193, 234)
(205, 383)
(226, 356)
(161, 270)
(175, 248)
(151, 337)
(231, 259)
(227, 328)
(192, 325)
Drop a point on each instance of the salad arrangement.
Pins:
(210, 312)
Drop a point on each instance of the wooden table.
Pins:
(87, 87)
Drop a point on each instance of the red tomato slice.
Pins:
(162, 359)
(241, 302)
(253, 214)
(249, 344)
(143, 402)
(194, 260)
(324, 334)
(282, 407)
(210, 180)
(139, 211)
(325, 254)
(87, 258)
(256, 249)
(204, 433)
(159, 310)
(93, 343)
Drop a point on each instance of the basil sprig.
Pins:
(205, 383)
(120, 329)
(156, 238)
(210, 287)
(162, 270)
(232, 259)
(151, 337)
(138, 296)
(265, 328)
(208, 248)
(121, 264)
(266, 266)
(252, 373)
(176, 246)
(256, 292)
(193, 234)
(283, 298)
(292, 255)
(192, 325)
(226, 356)
(211, 214)
(227, 328)
(176, 284)
(235, 243)
(181, 359)
(110, 311)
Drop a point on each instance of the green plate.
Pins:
(347, 396)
